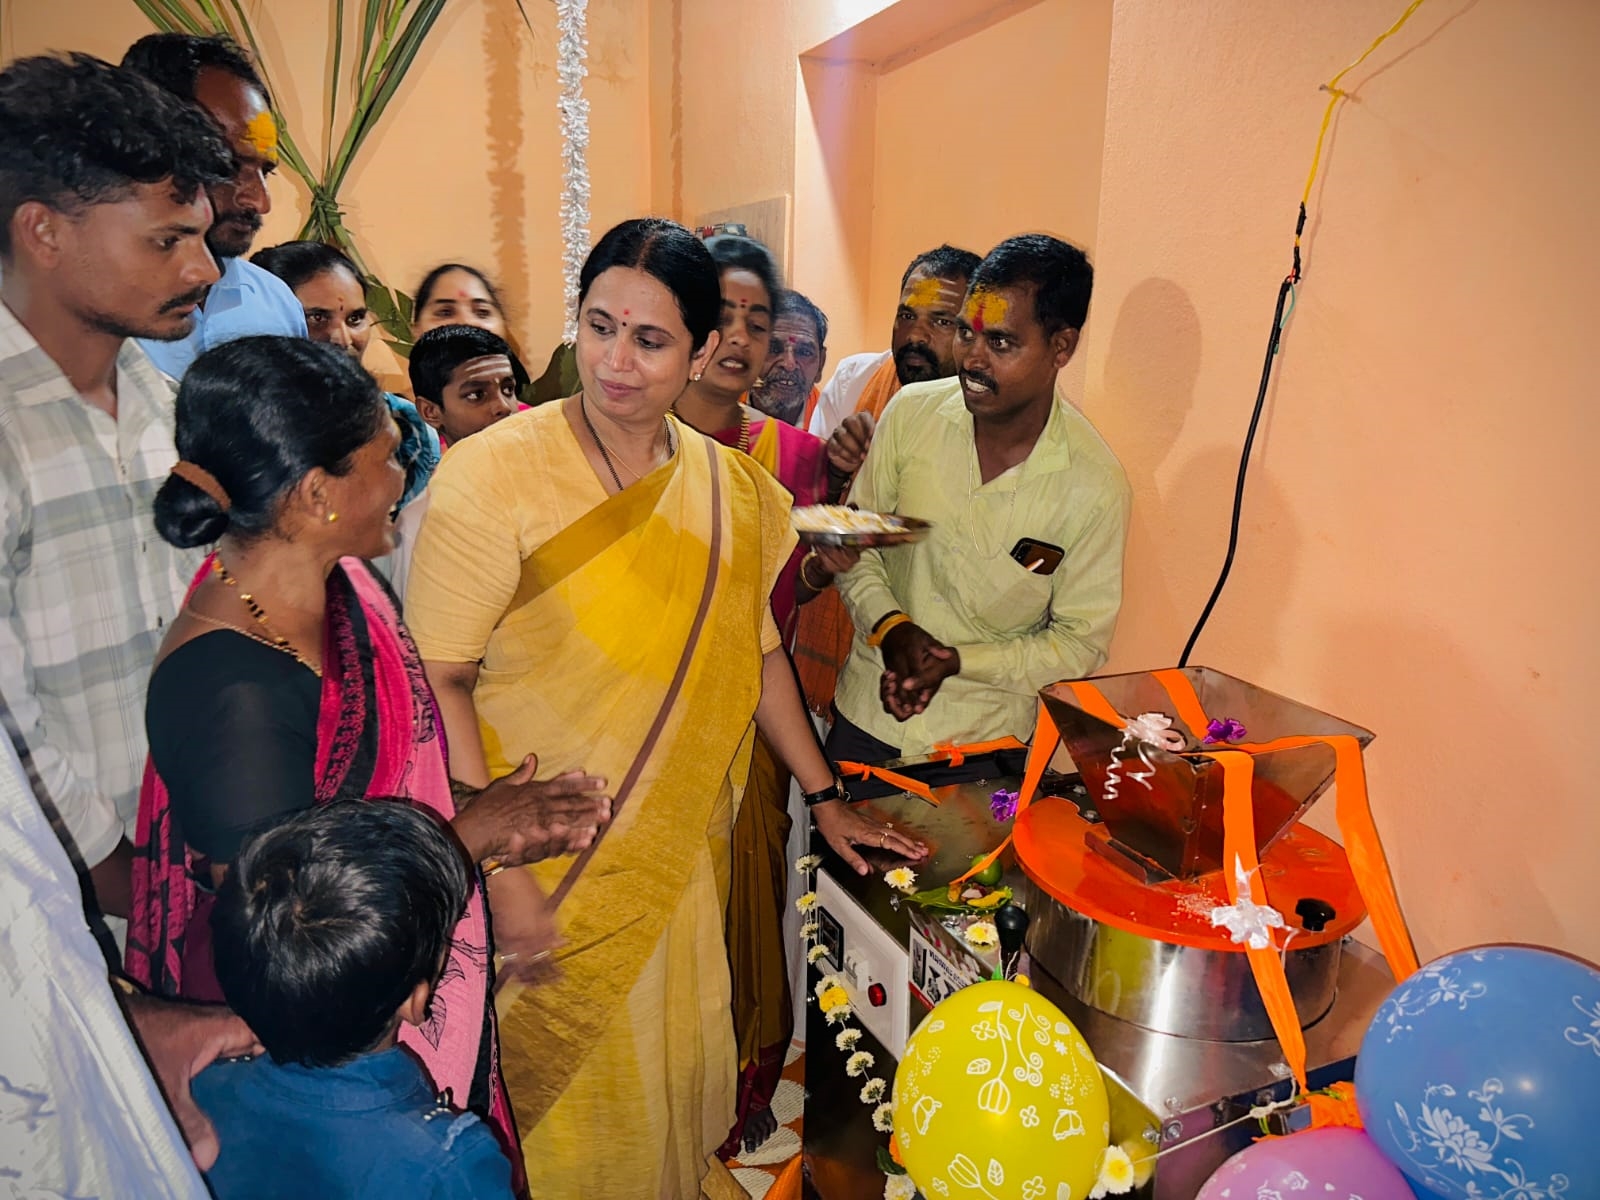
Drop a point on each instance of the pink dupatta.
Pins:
(379, 736)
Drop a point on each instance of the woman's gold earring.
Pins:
(332, 517)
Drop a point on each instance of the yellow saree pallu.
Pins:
(632, 649)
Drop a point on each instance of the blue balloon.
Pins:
(1480, 1076)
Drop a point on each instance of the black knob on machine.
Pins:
(1012, 924)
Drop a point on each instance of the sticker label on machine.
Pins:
(935, 974)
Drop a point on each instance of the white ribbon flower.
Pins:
(1155, 728)
(1247, 922)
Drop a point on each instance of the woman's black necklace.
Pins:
(605, 455)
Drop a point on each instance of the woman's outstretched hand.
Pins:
(845, 829)
(517, 820)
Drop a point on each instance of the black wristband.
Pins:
(834, 791)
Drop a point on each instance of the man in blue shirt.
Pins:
(215, 74)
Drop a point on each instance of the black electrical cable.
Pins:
(1285, 289)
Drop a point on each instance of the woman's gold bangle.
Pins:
(805, 577)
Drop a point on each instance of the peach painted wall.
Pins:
(1421, 542)
(973, 166)
(466, 164)
(839, 103)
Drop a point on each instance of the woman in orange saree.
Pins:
(592, 585)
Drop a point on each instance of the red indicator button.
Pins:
(877, 996)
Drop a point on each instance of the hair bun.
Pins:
(186, 516)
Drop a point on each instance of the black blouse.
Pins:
(232, 724)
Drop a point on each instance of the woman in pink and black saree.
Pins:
(288, 680)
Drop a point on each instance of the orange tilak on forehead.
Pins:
(925, 292)
(262, 133)
(985, 308)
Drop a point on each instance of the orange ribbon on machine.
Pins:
(1045, 740)
(893, 778)
(1353, 811)
(949, 752)
(956, 755)
(1364, 850)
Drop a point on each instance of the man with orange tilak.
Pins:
(920, 349)
(1020, 581)
(215, 75)
(931, 291)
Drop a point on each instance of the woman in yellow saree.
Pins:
(592, 586)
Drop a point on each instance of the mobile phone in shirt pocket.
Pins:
(1007, 599)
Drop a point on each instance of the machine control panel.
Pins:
(868, 961)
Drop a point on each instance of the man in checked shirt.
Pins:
(103, 216)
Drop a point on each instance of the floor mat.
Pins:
(757, 1171)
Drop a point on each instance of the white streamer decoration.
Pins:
(1147, 729)
(572, 49)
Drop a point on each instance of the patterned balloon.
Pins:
(1480, 1076)
(998, 1096)
(1331, 1163)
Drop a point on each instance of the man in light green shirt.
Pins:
(1019, 583)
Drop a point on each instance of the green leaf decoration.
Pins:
(938, 900)
(560, 378)
(887, 1164)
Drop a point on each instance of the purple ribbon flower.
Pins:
(1003, 805)
(1225, 730)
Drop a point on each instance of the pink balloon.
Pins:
(1333, 1163)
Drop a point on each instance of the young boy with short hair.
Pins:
(330, 930)
(464, 379)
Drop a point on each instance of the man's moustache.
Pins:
(195, 297)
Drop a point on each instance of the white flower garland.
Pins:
(859, 1062)
(572, 49)
(1117, 1174)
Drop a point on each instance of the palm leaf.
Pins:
(393, 74)
(372, 14)
(169, 18)
(214, 16)
(338, 71)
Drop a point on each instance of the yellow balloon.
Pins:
(998, 1096)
